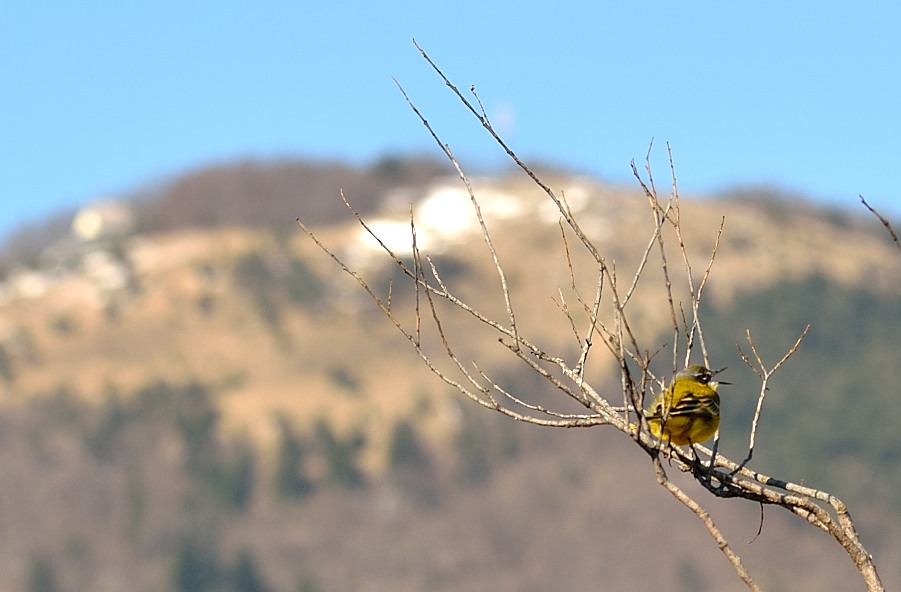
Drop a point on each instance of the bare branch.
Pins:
(761, 370)
(608, 317)
(884, 221)
(570, 220)
(478, 211)
(708, 523)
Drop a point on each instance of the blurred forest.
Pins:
(231, 415)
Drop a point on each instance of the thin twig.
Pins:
(570, 220)
(884, 221)
(478, 211)
(708, 523)
(761, 370)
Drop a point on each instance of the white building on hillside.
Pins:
(103, 220)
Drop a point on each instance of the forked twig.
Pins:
(764, 374)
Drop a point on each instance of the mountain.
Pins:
(197, 396)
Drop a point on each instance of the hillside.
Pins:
(178, 383)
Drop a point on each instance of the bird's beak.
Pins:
(715, 372)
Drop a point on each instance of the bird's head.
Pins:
(701, 374)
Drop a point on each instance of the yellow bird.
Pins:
(688, 412)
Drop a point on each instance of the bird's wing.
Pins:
(689, 405)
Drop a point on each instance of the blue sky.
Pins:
(101, 98)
